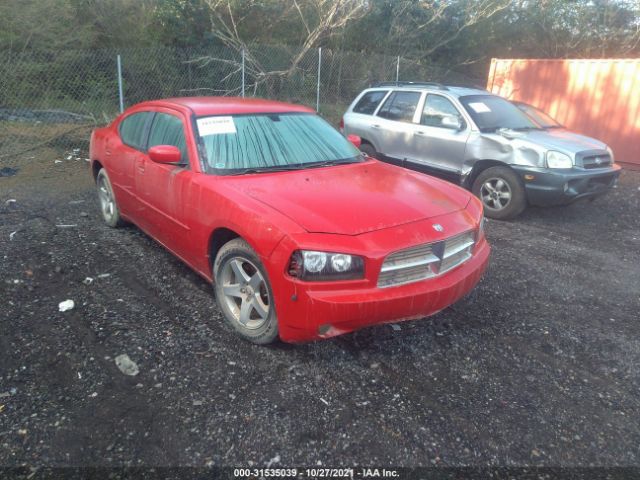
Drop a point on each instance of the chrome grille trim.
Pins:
(591, 159)
(426, 261)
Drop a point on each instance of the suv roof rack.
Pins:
(439, 86)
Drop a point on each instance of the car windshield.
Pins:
(254, 143)
(538, 116)
(491, 113)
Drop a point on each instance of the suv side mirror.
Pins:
(165, 154)
(452, 121)
(355, 139)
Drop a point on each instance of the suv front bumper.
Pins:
(547, 187)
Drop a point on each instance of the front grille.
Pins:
(596, 161)
(426, 261)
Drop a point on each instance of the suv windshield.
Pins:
(538, 116)
(492, 113)
(271, 142)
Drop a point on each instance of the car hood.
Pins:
(353, 199)
(558, 139)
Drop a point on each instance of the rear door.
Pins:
(437, 142)
(360, 119)
(394, 122)
(163, 188)
(124, 152)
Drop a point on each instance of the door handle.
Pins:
(141, 166)
(375, 126)
(420, 132)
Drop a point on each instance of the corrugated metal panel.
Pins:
(598, 98)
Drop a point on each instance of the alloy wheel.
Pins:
(245, 292)
(107, 203)
(495, 193)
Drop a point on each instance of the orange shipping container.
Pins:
(598, 98)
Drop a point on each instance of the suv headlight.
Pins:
(317, 266)
(558, 160)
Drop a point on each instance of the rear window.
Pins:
(400, 106)
(132, 129)
(369, 102)
(270, 141)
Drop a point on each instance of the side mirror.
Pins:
(355, 139)
(451, 121)
(165, 154)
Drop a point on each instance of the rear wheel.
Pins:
(501, 192)
(243, 292)
(108, 205)
(368, 150)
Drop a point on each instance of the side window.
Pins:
(168, 130)
(132, 129)
(369, 102)
(400, 106)
(440, 112)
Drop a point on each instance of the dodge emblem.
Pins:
(438, 228)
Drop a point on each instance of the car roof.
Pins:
(227, 105)
(451, 89)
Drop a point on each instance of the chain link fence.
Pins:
(50, 102)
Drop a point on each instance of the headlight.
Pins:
(318, 266)
(480, 228)
(558, 160)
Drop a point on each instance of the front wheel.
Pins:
(243, 292)
(501, 192)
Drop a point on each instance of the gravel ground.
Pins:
(539, 365)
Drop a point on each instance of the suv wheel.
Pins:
(368, 150)
(501, 192)
(244, 294)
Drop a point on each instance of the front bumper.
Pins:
(307, 313)
(547, 187)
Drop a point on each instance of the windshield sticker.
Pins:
(216, 126)
(479, 107)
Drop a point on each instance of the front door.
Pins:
(163, 189)
(440, 139)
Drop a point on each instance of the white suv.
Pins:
(481, 141)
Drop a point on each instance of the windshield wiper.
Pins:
(525, 129)
(328, 163)
(266, 170)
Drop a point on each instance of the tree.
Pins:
(241, 25)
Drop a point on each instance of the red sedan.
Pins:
(302, 236)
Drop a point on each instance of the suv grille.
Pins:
(426, 261)
(596, 161)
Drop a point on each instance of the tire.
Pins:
(501, 193)
(368, 150)
(108, 204)
(244, 293)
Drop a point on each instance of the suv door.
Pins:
(394, 121)
(441, 137)
(360, 120)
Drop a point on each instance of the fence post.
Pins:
(120, 95)
(243, 73)
(398, 69)
(318, 87)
